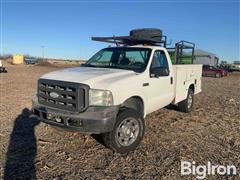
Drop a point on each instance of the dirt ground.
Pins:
(30, 149)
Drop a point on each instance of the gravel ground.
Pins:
(30, 149)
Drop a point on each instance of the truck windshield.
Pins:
(128, 58)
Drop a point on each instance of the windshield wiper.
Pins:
(124, 68)
(112, 67)
(87, 65)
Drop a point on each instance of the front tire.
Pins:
(187, 104)
(127, 133)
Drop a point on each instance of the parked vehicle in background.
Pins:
(230, 67)
(226, 68)
(2, 69)
(30, 60)
(235, 68)
(213, 71)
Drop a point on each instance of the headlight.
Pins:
(100, 97)
(34, 100)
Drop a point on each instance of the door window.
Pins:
(159, 60)
(102, 58)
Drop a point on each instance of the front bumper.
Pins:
(2, 69)
(94, 120)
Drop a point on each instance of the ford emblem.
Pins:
(54, 95)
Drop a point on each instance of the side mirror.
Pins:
(159, 71)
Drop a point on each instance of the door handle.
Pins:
(145, 84)
(171, 80)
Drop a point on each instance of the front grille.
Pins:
(63, 95)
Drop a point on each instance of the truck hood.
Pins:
(92, 76)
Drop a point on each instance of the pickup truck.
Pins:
(2, 68)
(113, 91)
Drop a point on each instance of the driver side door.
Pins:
(161, 89)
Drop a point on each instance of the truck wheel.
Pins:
(217, 75)
(187, 104)
(127, 133)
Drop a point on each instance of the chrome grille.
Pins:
(63, 95)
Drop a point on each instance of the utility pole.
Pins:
(1, 27)
(42, 52)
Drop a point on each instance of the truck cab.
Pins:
(113, 91)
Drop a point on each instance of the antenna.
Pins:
(115, 41)
(169, 43)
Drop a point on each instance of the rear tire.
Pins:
(127, 133)
(217, 75)
(187, 104)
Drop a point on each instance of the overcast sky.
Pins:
(65, 27)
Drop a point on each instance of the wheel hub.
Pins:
(190, 100)
(127, 132)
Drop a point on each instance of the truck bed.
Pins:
(185, 75)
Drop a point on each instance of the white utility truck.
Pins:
(113, 91)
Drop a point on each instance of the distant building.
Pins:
(206, 58)
(236, 62)
(224, 62)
